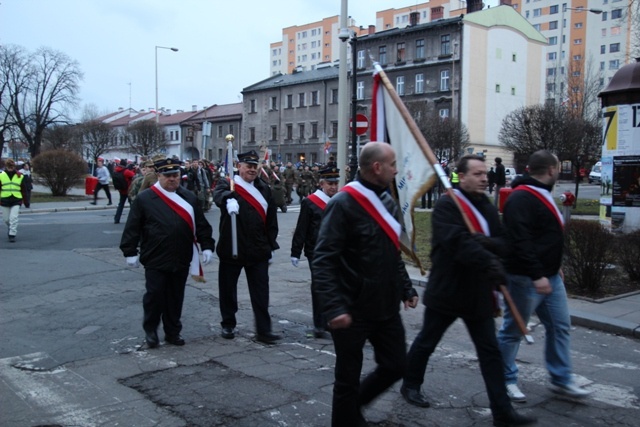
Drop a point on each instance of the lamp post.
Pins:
(343, 95)
(175, 49)
(557, 89)
(355, 140)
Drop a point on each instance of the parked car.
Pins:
(595, 174)
(510, 175)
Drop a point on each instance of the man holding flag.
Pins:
(360, 279)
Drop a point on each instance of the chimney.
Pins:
(414, 18)
(168, 111)
(120, 109)
(194, 108)
(474, 6)
(372, 29)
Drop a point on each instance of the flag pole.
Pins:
(424, 146)
(234, 227)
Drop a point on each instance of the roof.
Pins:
(176, 118)
(505, 16)
(280, 80)
(219, 111)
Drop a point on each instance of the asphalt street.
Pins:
(72, 350)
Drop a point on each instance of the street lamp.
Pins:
(557, 72)
(175, 49)
(353, 164)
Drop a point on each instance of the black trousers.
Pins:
(99, 187)
(163, 300)
(258, 282)
(120, 208)
(349, 394)
(482, 334)
(319, 321)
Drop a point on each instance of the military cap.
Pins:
(167, 166)
(250, 157)
(330, 174)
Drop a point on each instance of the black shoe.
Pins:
(12, 239)
(228, 334)
(152, 339)
(512, 418)
(92, 203)
(414, 397)
(174, 339)
(320, 333)
(268, 338)
(109, 204)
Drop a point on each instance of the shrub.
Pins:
(628, 252)
(588, 255)
(59, 170)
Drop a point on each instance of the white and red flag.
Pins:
(392, 123)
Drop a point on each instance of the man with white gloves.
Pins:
(251, 203)
(306, 233)
(168, 224)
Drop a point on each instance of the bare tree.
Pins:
(145, 138)
(96, 137)
(61, 137)
(10, 60)
(447, 137)
(42, 87)
(583, 84)
(532, 128)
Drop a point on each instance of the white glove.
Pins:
(207, 256)
(132, 261)
(271, 259)
(294, 261)
(232, 206)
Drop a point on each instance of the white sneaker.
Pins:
(515, 394)
(570, 390)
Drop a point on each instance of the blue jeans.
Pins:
(553, 312)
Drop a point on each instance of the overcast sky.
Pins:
(223, 44)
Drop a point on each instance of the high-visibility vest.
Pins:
(11, 187)
(454, 178)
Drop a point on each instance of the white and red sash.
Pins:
(545, 197)
(319, 198)
(251, 194)
(478, 221)
(374, 207)
(184, 211)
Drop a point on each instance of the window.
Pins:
(289, 131)
(553, 41)
(231, 129)
(444, 113)
(360, 63)
(577, 41)
(301, 130)
(290, 101)
(553, 25)
(551, 87)
(334, 129)
(315, 97)
(302, 100)
(616, 14)
(513, 91)
(537, 27)
(551, 56)
(220, 132)
(252, 106)
(551, 72)
(273, 103)
(334, 96)
(614, 47)
(603, 48)
(537, 12)
(577, 25)
(314, 130)
(497, 87)
(400, 52)
(614, 65)
(553, 9)
(419, 83)
(274, 133)
(400, 85)
(604, 16)
(420, 49)
(514, 57)
(615, 31)
(252, 134)
(602, 66)
(360, 90)
(604, 32)
(444, 80)
(577, 57)
(382, 55)
(526, 14)
(445, 44)
(576, 73)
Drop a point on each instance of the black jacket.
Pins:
(306, 232)
(457, 284)
(534, 234)
(356, 267)
(165, 239)
(256, 240)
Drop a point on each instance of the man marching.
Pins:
(306, 233)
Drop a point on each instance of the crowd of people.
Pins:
(351, 239)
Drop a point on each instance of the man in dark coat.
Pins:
(500, 179)
(361, 281)
(306, 233)
(255, 212)
(167, 222)
(465, 272)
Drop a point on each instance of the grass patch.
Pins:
(422, 222)
(47, 197)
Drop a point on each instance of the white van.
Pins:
(595, 174)
(509, 175)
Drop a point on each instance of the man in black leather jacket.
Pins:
(361, 280)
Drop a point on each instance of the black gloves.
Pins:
(495, 273)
